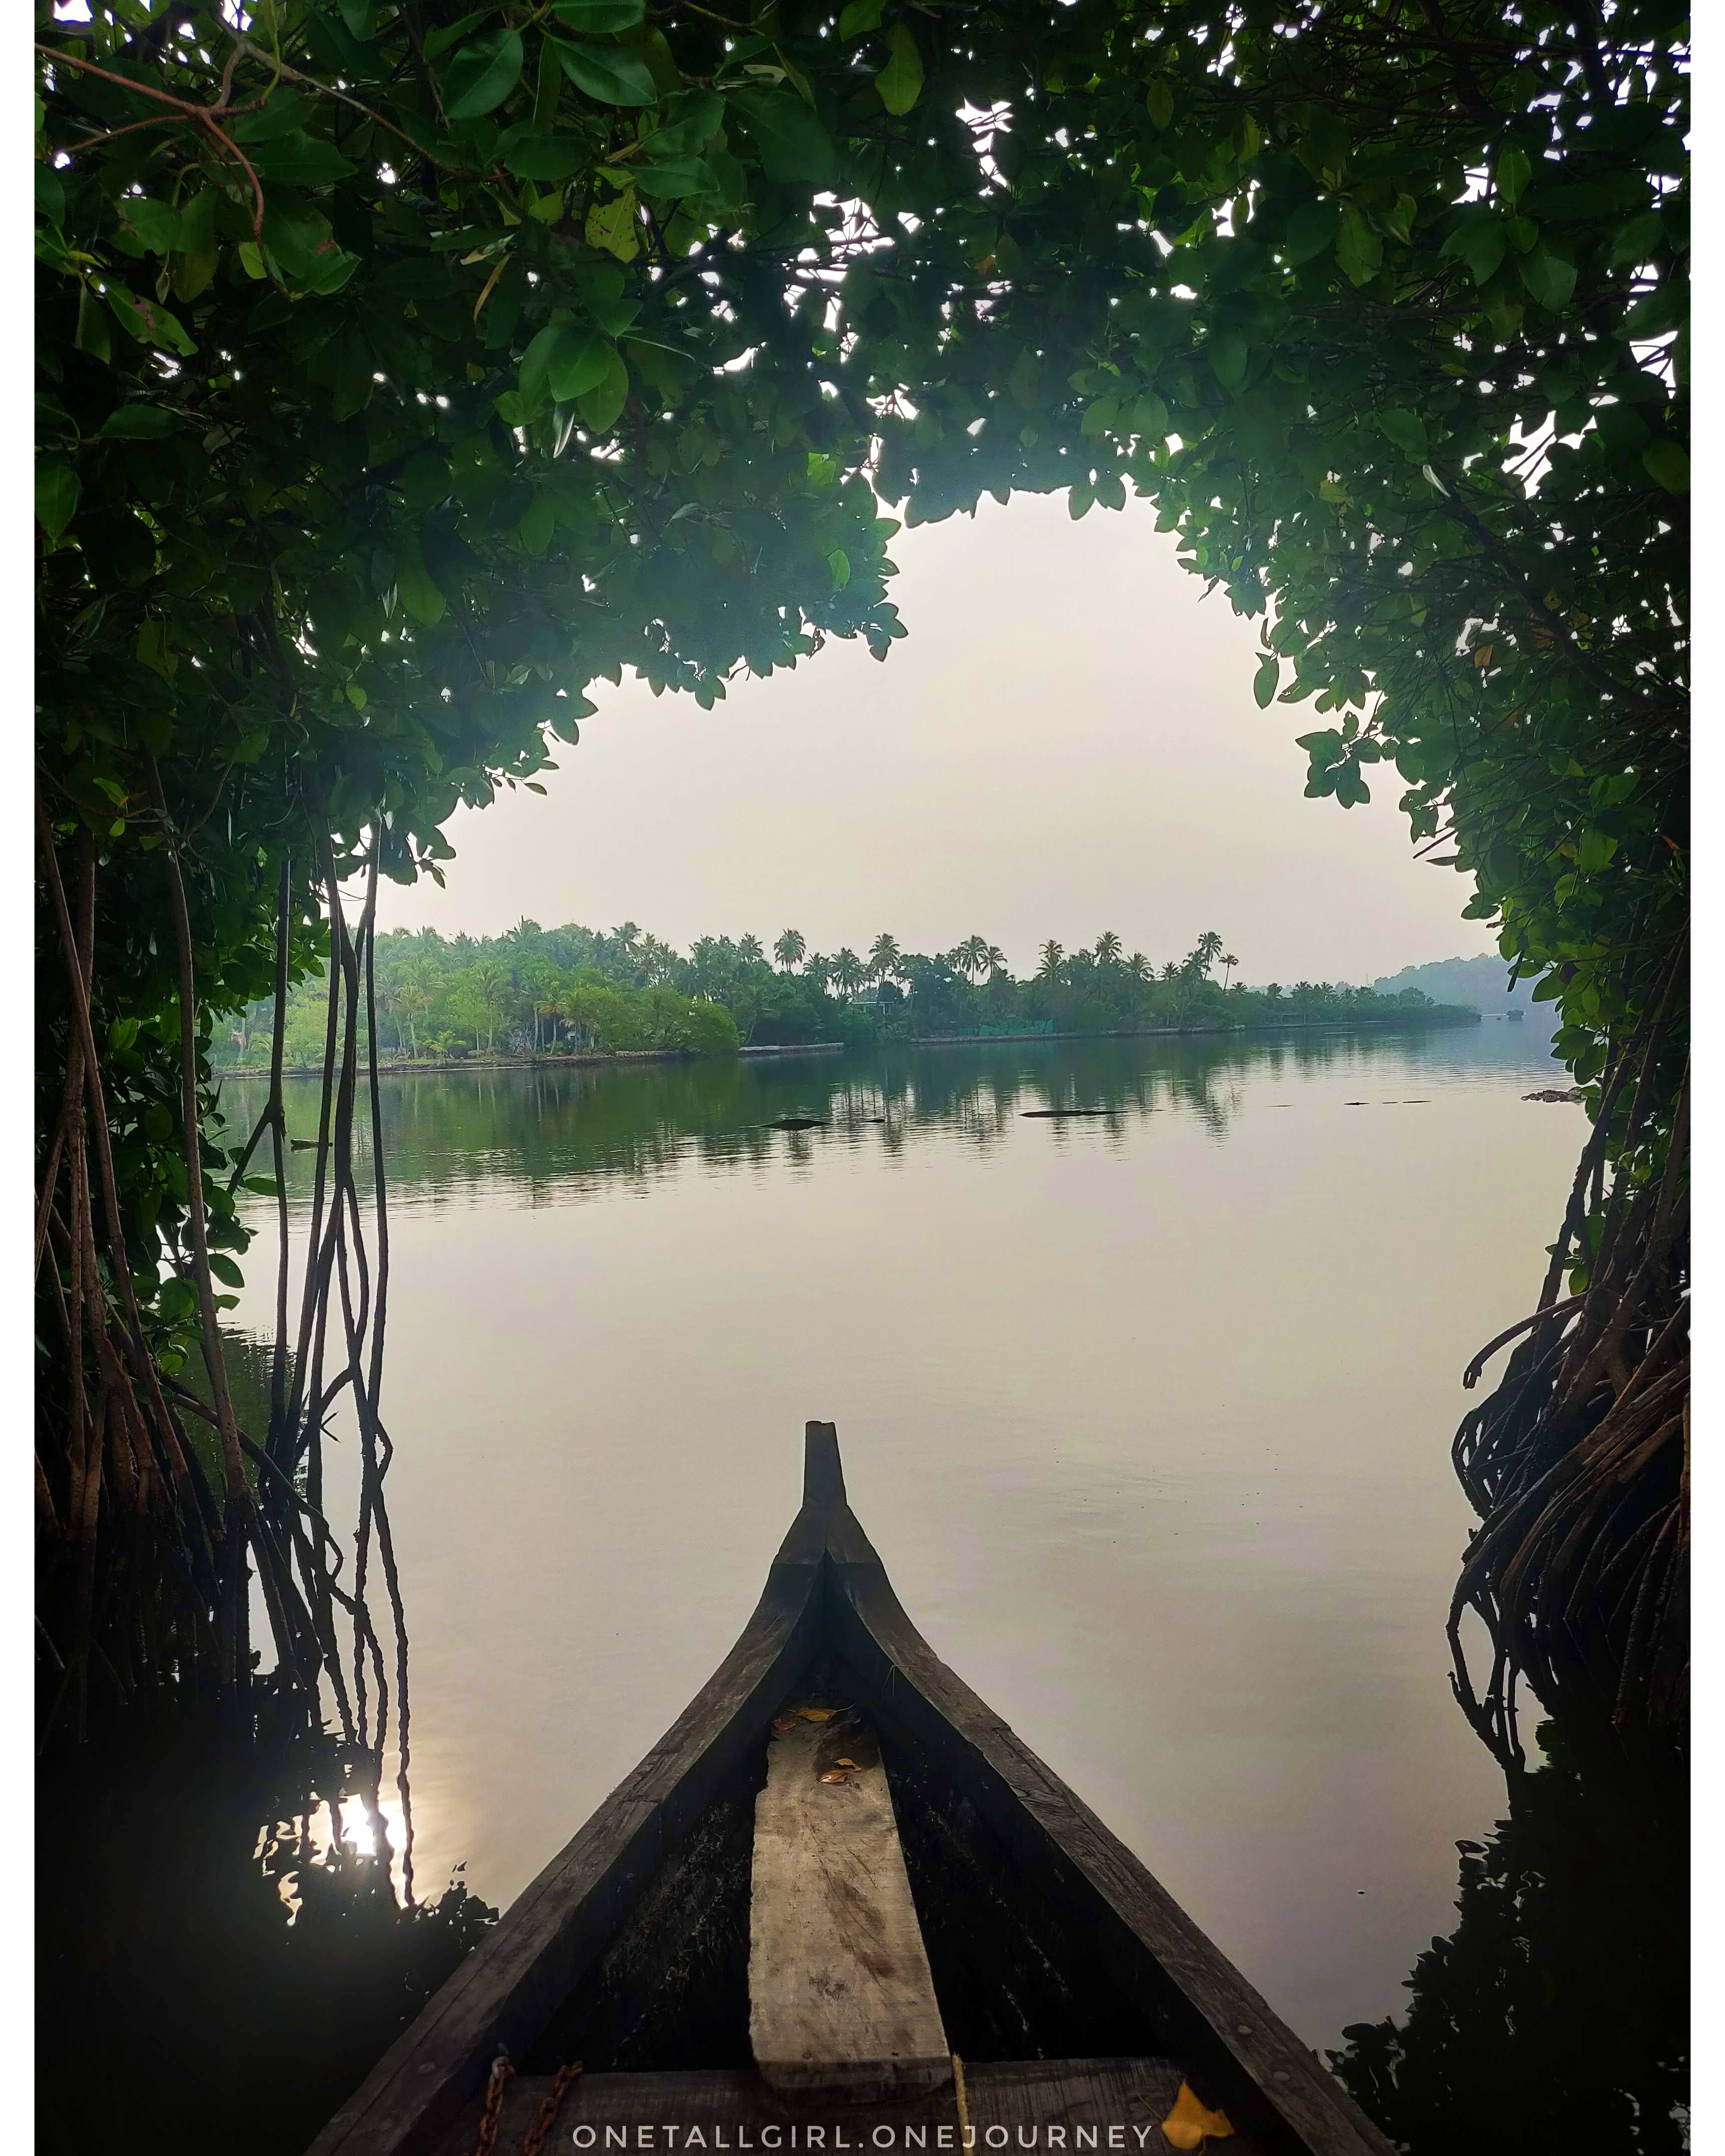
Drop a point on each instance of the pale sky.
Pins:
(1066, 742)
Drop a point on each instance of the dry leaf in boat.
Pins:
(1188, 2125)
(784, 1721)
(844, 1763)
(813, 1713)
(832, 1774)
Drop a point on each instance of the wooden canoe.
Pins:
(1069, 1989)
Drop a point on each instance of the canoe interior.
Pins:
(1048, 1940)
(1015, 1976)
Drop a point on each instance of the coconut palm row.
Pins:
(976, 958)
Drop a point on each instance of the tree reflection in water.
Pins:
(1554, 2016)
(216, 1969)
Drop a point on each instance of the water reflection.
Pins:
(533, 1128)
(217, 1967)
(1555, 2015)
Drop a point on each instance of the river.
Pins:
(1148, 1414)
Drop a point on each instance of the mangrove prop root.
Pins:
(147, 1575)
(1579, 1462)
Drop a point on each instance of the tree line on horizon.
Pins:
(575, 990)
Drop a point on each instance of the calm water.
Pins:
(1149, 1414)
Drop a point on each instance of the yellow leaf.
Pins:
(832, 1774)
(844, 1763)
(1188, 2125)
(1482, 655)
(813, 1713)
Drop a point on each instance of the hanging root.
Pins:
(147, 1572)
(1579, 1462)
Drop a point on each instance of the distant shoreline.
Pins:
(609, 1059)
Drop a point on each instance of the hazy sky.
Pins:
(1066, 742)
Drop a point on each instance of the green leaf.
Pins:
(1550, 278)
(538, 524)
(670, 179)
(154, 223)
(535, 366)
(553, 157)
(1593, 850)
(1668, 463)
(790, 143)
(148, 322)
(1399, 223)
(858, 16)
(608, 74)
(1149, 418)
(425, 603)
(838, 561)
(1479, 241)
(1265, 681)
(1159, 104)
(225, 1270)
(482, 74)
(299, 161)
(1407, 430)
(600, 408)
(424, 480)
(91, 334)
(1514, 170)
(1230, 357)
(139, 423)
(57, 491)
(611, 226)
(51, 194)
(579, 361)
(1312, 232)
(900, 82)
(438, 42)
(597, 17)
(1359, 250)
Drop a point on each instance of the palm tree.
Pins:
(1109, 947)
(1206, 952)
(750, 951)
(627, 939)
(415, 991)
(884, 958)
(657, 960)
(816, 967)
(971, 958)
(1138, 966)
(1051, 955)
(994, 958)
(538, 980)
(1229, 962)
(848, 974)
(490, 982)
(789, 948)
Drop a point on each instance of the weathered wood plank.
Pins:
(840, 1997)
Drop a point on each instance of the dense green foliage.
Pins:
(566, 990)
